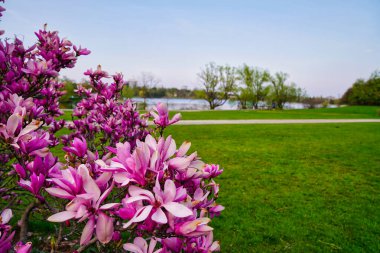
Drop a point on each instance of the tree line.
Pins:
(252, 87)
(364, 92)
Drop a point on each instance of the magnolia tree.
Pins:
(121, 186)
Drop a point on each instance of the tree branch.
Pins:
(25, 220)
(84, 247)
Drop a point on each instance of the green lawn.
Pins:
(294, 188)
(349, 112)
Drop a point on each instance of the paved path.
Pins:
(265, 121)
(273, 121)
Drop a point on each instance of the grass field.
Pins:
(294, 188)
(349, 112)
(291, 188)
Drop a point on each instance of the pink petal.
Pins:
(140, 215)
(134, 191)
(160, 217)
(179, 163)
(132, 248)
(57, 192)
(104, 195)
(183, 149)
(170, 147)
(87, 231)
(103, 178)
(177, 117)
(6, 215)
(121, 178)
(109, 206)
(169, 191)
(62, 216)
(12, 124)
(89, 184)
(178, 210)
(152, 244)
(141, 243)
(151, 142)
(136, 198)
(104, 228)
(31, 127)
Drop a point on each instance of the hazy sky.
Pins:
(323, 45)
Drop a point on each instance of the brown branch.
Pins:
(25, 220)
(84, 247)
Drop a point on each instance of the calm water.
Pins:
(199, 104)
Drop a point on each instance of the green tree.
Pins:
(219, 83)
(280, 93)
(70, 98)
(252, 87)
(364, 92)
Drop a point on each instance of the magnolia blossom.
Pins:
(160, 200)
(5, 237)
(194, 228)
(139, 245)
(87, 205)
(78, 147)
(23, 248)
(12, 132)
(204, 244)
(161, 116)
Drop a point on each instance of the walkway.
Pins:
(265, 121)
(273, 121)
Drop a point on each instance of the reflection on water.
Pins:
(200, 104)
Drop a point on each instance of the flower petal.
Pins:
(178, 210)
(140, 215)
(6, 215)
(57, 192)
(169, 191)
(104, 228)
(62, 216)
(132, 248)
(87, 231)
(160, 217)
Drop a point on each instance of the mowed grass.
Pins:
(294, 188)
(349, 112)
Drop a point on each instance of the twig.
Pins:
(25, 220)
(82, 248)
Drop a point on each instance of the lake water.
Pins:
(200, 104)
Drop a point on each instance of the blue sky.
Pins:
(324, 45)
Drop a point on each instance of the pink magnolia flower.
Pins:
(211, 171)
(13, 131)
(128, 167)
(5, 217)
(161, 116)
(33, 185)
(87, 206)
(5, 239)
(68, 183)
(156, 203)
(202, 244)
(23, 248)
(139, 245)
(78, 147)
(193, 228)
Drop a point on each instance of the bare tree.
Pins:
(147, 80)
(219, 83)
